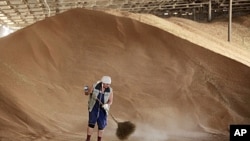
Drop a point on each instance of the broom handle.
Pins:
(113, 118)
(107, 111)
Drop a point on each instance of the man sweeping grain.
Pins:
(100, 99)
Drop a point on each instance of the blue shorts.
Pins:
(98, 115)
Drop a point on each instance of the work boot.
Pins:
(88, 137)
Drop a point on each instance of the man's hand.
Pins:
(86, 90)
(105, 107)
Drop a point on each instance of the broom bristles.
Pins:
(124, 130)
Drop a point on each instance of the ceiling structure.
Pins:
(21, 13)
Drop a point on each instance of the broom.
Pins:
(124, 129)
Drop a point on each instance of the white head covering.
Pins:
(106, 79)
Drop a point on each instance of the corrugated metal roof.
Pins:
(20, 13)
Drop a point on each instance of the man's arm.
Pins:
(110, 101)
(106, 106)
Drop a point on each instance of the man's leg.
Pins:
(102, 123)
(90, 130)
(100, 133)
(91, 124)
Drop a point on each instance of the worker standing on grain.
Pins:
(100, 99)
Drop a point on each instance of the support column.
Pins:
(210, 10)
(230, 20)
